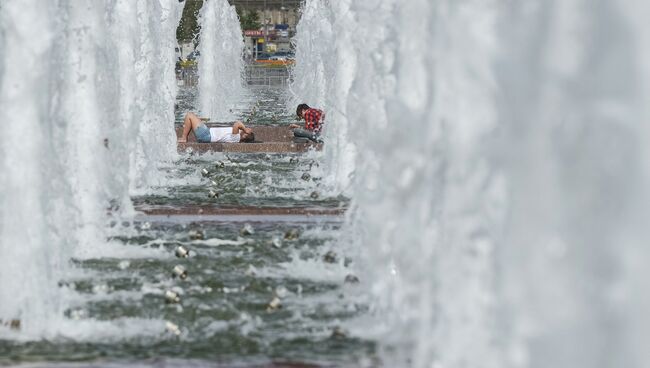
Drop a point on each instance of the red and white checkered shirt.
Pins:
(313, 120)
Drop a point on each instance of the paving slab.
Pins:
(214, 210)
(265, 147)
(225, 219)
(269, 139)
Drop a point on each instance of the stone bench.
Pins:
(270, 139)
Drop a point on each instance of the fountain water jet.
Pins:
(221, 63)
(156, 86)
(25, 228)
(75, 122)
(500, 177)
(323, 74)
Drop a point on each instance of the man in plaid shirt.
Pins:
(313, 123)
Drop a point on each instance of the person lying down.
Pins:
(237, 134)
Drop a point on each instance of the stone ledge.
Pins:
(263, 133)
(273, 139)
(270, 147)
(266, 211)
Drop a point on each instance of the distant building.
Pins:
(278, 18)
(279, 25)
(184, 49)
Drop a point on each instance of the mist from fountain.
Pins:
(574, 152)
(501, 175)
(87, 96)
(221, 64)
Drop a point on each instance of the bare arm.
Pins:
(237, 127)
(240, 126)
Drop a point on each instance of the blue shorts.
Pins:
(202, 134)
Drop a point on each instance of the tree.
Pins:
(189, 27)
(249, 19)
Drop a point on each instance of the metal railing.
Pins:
(254, 75)
(265, 75)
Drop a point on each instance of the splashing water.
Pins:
(501, 176)
(326, 62)
(156, 86)
(499, 148)
(221, 64)
(579, 181)
(75, 114)
(421, 179)
(21, 204)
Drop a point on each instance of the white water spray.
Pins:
(573, 109)
(67, 91)
(501, 177)
(156, 86)
(429, 204)
(323, 74)
(25, 228)
(221, 63)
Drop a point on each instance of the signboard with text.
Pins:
(253, 33)
(258, 33)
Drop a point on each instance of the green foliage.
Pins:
(189, 28)
(249, 19)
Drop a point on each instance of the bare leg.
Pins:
(187, 126)
(191, 123)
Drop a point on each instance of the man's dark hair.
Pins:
(300, 109)
(250, 138)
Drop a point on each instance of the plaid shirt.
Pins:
(313, 119)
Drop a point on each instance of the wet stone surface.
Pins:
(184, 283)
(243, 300)
(244, 181)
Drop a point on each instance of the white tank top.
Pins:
(223, 135)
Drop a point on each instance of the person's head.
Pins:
(247, 136)
(301, 109)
